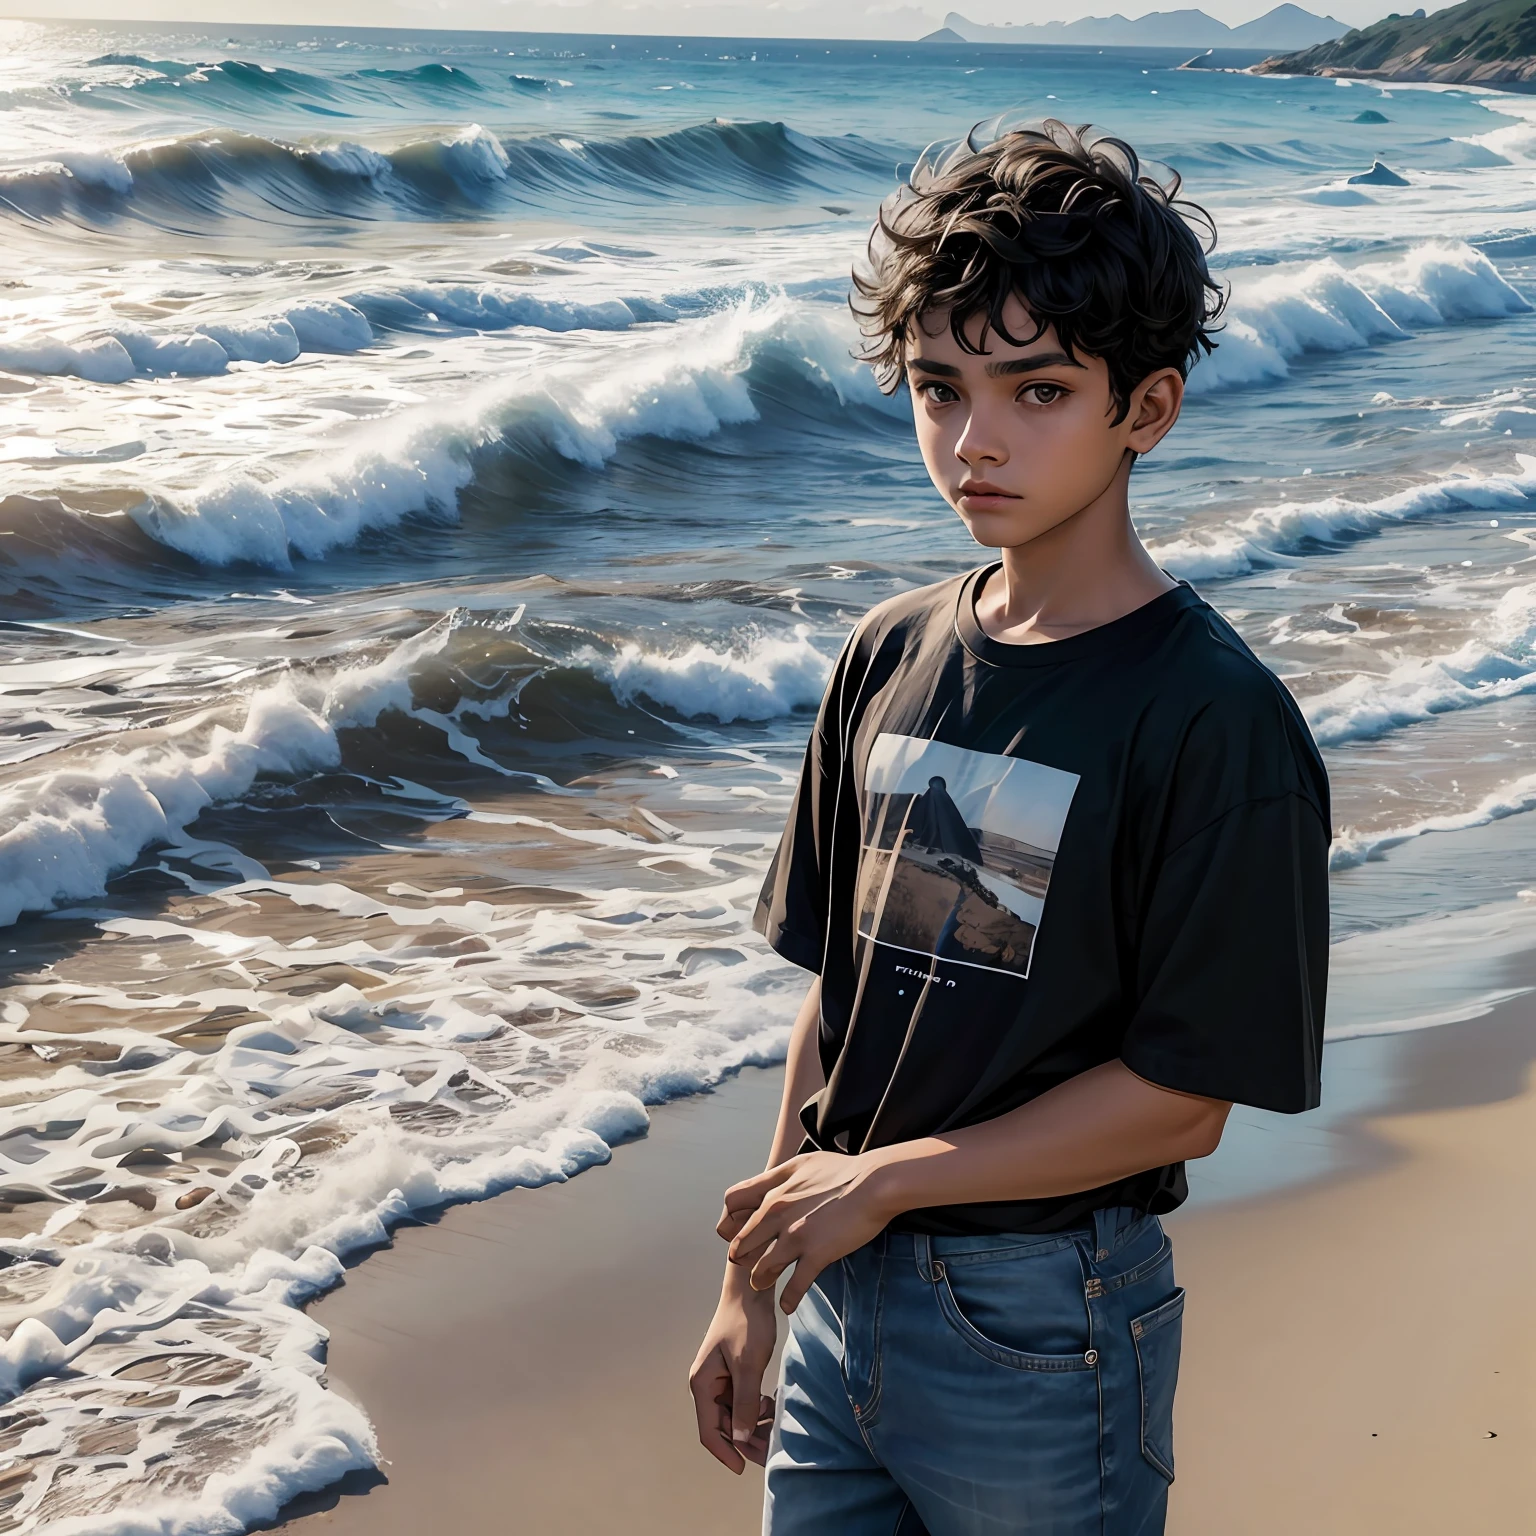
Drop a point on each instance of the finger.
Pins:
(744, 1198)
(756, 1449)
(746, 1258)
(804, 1277)
(710, 1385)
(730, 1223)
(764, 1225)
(748, 1192)
(746, 1402)
(768, 1222)
(765, 1273)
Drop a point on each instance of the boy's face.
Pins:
(1019, 439)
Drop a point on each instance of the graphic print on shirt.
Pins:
(958, 850)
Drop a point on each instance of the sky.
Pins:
(719, 18)
(1021, 799)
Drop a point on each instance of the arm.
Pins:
(727, 1375)
(1102, 1125)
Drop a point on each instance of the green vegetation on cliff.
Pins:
(1491, 42)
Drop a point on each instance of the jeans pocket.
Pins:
(1157, 1336)
(1011, 1299)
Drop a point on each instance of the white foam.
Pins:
(476, 153)
(1278, 316)
(1499, 664)
(1515, 142)
(684, 382)
(387, 474)
(195, 354)
(454, 1105)
(1275, 534)
(492, 306)
(1352, 848)
(69, 832)
(132, 351)
(255, 341)
(767, 677)
(329, 325)
(104, 360)
(98, 168)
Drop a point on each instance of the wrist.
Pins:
(737, 1287)
(888, 1184)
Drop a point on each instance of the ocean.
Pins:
(370, 404)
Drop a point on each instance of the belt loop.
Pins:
(922, 1250)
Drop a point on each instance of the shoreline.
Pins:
(528, 1353)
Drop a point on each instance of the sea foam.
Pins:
(769, 677)
(1352, 847)
(123, 352)
(685, 384)
(1498, 663)
(69, 830)
(1278, 316)
(1278, 533)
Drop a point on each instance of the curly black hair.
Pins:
(1093, 245)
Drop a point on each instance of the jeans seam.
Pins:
(1142, 1271)
(1164, 1314)
(872, 1407)
(1086, 1264)
(1004, 1255)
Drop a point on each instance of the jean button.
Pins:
(1091, 1358)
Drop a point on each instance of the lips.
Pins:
(979, 488)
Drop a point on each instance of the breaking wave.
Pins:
(768, 678)
(1278, 317)
(1281, 532)
(1352, 848)
(68, 830)
(1499, 664)
(225, 173)
(695, 380)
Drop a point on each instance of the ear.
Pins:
(1154, 407)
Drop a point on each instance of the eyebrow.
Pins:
(1000, 369)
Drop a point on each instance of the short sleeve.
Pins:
(792, 911)
(1232, 963)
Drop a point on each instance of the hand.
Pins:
(727, 1376)
(807, 1212)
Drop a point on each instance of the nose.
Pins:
(982, 440)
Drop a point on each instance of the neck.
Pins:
(1088, 570)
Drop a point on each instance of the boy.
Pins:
(1058, 862)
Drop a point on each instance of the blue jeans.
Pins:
(982, 1386)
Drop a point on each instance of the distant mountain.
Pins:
(1287, 26)
(1482, 42)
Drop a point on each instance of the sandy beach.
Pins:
(1358, 1351)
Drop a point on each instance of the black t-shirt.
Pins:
(1011, 863)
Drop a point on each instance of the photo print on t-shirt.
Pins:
(958, 850)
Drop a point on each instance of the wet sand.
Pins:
(1359, 1350)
